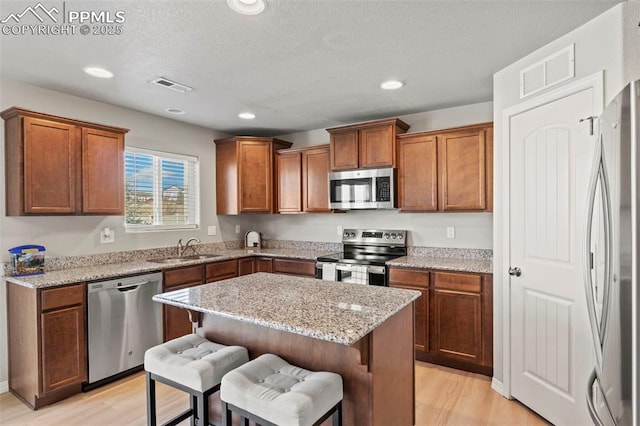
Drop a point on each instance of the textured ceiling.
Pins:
(300, 65)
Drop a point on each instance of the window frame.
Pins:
(193, 182)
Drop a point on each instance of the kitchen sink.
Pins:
(178, 259)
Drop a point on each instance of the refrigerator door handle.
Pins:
(598, 181)
(594, 385)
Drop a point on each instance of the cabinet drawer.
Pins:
(410, 277)
(222, 270)
(176, 277)
(460, 282)
(294, 267)
(62, 296)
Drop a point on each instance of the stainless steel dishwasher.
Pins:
(123, 323)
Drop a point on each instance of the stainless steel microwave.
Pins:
(363, 189)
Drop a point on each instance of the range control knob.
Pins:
(352, 235)
(399, 236)
(386, 235)
(346, 235)
(393, 236)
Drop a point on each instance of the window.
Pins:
(161, 190)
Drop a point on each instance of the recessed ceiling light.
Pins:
(247, 115)
(98, 72)
(391, 85)
(247, 7)
(175, 110)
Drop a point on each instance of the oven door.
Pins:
(352, 273)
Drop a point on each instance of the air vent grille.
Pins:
(178, 87)
(550, 71)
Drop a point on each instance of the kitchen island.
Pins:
(364, 333)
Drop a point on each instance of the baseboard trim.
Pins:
(497, 386)
(4, 386)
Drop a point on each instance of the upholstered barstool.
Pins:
(194, 365)
(271, 392)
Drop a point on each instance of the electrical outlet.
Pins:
(339, 230)
(451, 232)
(237, 229)
(212, 230)
(107, 236)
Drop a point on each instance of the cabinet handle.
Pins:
(515, 272)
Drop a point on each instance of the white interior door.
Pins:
(551, 349)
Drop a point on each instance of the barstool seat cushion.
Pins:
(193, 361)
(281, 393)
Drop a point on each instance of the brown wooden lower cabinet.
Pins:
(454, 317)
(47, 342)
(263, 264)
(303, 268)
(176, 320)
(246, 266)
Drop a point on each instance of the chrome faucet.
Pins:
(181, 249)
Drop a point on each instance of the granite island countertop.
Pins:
(325, 310)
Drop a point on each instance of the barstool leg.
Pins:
(226, 414)
(337, 416)
(194, 409)
(151, 401)
(203, 409)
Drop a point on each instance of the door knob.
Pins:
(515, 272)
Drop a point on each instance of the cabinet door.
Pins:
(421, 319)
(377, 147)
(302, 268)
(418, 174)
(415, 280)
(246, 266)
(289, 181)
(64, 349)
(216, 271)
(51, 164)
(263, 264)
(344, 150)
(178, 277)
(176, 320)
(102, 172)
(255, 177)
(315, 180)
(463, 171)
(457, 325)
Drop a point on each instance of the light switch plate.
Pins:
(107, 236)
(237, 229)
(339, 230)
(212, 230)
(451, 232)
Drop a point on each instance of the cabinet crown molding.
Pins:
(17, 111)
(388, 121)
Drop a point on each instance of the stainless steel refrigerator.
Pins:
(611, 258)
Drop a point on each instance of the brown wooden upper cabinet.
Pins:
(244, 174)
(302, 180)
(446, 170)
(59, 166)
(365, 145)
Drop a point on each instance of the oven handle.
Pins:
(370, 269)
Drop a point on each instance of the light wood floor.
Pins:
(443, 397)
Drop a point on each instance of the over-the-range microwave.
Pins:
(363, 189)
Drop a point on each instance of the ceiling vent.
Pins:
(550, 71)
(178, 87)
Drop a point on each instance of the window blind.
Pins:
(161, 190)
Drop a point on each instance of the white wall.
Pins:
(74, 235)
(598, 46)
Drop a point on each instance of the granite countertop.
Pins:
(482, 266)
(112, 270)
(325, 310)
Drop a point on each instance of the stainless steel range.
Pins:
(364, 256)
